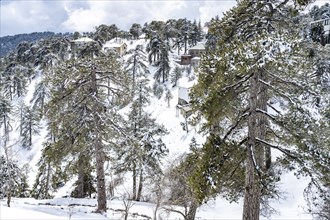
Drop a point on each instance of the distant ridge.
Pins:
(9, 43)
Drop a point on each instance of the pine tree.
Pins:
(45, 184)
(249, 95)
(87, 118)
(154, 48)
(84, 185)
(176, 75)
(163, 63)
(143, 148)
(5, 110)
(135, 64)
(39, 98)
(29, 124)
(135, 30)
(168, 97)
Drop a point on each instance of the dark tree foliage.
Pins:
(252, 99)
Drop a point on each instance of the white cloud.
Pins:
(29, 16)
(213, 8)
(62, 16)
(121, 13)
(83, 19)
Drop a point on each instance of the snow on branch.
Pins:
(258, 110)
(232, 128)
(281, 149)
(278, 91)
(240, 82)
(302, 87)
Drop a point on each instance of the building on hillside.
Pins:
(80, 42)
(183, 107)
(197, 50)
(193, 54)
(185, 59)
(326, 29)
(195, 61)
(116, 45)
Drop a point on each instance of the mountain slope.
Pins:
(177, 142)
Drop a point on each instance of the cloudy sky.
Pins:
(26, 16)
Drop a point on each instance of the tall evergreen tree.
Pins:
(176, 75)
(163, 63)
(40, 97)
(251, 96)
(28, 124)
(154, 48)
(87, 120)
(135, 30)
(46, 183)
(136, 64)
(143, 148)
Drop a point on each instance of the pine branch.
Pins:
(236, 84)
(287, 152)
(278, 91)
(233, 127)
(286, 82)
(272, 107)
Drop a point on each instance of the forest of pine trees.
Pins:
(262, 86)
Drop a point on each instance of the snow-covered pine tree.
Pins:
(163, 63)
(39, 98)
(14, 79)
(153, 48)
(86, 120)
(136, 64)
(84, 185)
(254, 99)
(142, 149)
(5, 111)
(45, 184)
(168, 97)
(28, 124)
(8, 172)
(135, 30)
(176, 74)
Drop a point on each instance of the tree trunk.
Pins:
(101, 192)
(192, 210)
(81, 174)
(49, 170)
(134, 181)
(9, 197)
(30, 131)
(252, 194)
(263, 122)
(138, 197)
(99, 152)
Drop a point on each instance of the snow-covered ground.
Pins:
(291, 207)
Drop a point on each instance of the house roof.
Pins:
(114, 44)
(200, 46)
(185, 55)
(84, 40)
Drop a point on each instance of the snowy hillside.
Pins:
(177, 141)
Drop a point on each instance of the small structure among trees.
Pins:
(183, 107)
(80, 42)
(197, 50)
(116, 45)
